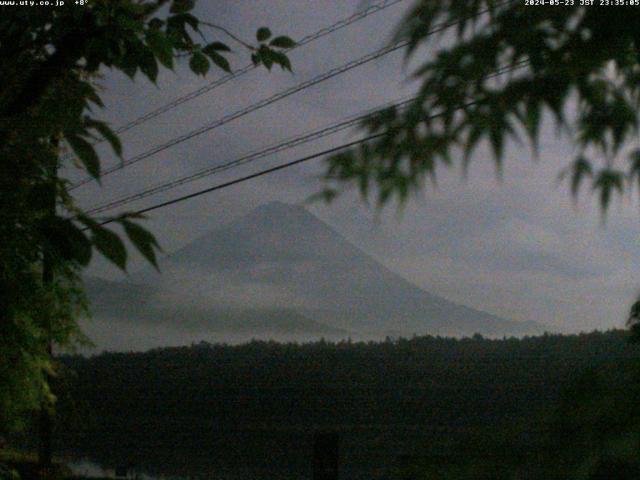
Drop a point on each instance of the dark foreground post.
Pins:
(325, 456)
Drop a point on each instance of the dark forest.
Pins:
(469, 407)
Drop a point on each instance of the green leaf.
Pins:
(580, 169)
(93, 97)
(86, 153)
(128, 65)
(143, 240)
(327, 195)
(282, 42)
(281, 59)
(191, 20)
(161, 47)
(176, 30)
(199, 63)
(106, 242)
(110, 245)
(474, 136)
(98, 50)
(182, 6)
(216, 58)
(532, 121)
(217, 46)
(263, 34)
(106, 132)
(634, 167)
(608, 181)
(265, 56)
(148, 64)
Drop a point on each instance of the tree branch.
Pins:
(231, 35)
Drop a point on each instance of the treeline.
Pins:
(430, 402)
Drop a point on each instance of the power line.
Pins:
(356, 17)
(276, 168)
(247, 68)
(268, 101)
(273, 149)
(254, 175)
(247, 110)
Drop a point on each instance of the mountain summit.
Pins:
(281, 258)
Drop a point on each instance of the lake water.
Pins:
(86, 468)
(366, 452)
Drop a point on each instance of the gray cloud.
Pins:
(203, 291)
(517, 248)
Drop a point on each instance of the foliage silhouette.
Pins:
(582, 70)
(52, 61)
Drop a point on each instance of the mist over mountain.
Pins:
(278, 273)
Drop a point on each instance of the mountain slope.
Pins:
(280, 258)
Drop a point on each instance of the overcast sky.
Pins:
(519, 248)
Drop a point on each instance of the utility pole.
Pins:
(45, 447)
